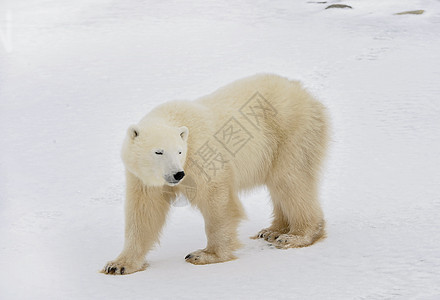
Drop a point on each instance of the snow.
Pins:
(75, 74)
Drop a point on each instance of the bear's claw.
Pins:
(109, 269)
(285, 241)
(190, 257)
(269, 235)
(202, 257)
(123, 267)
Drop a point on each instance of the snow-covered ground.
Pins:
(75, 74)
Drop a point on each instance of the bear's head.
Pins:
(156, 153)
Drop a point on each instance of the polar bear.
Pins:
(260, 130)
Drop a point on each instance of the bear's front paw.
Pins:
(123, 267)
(203, 257)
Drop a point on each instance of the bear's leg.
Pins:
(293, 185)
(222, 212)
(145, 213)
(300, 207)
(279, 225)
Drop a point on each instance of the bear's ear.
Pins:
(184, 133)
(133, 131)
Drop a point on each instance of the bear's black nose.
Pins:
(179, 175)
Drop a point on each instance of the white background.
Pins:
(75, 74)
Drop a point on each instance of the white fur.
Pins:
(140, 148)
(279, 140)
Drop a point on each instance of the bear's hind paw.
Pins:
(286, 241)
(203, 257)
(269, 234)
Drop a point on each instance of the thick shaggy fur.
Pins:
(281, 144)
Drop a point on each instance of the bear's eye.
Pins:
(180, 152)
(159, 152)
